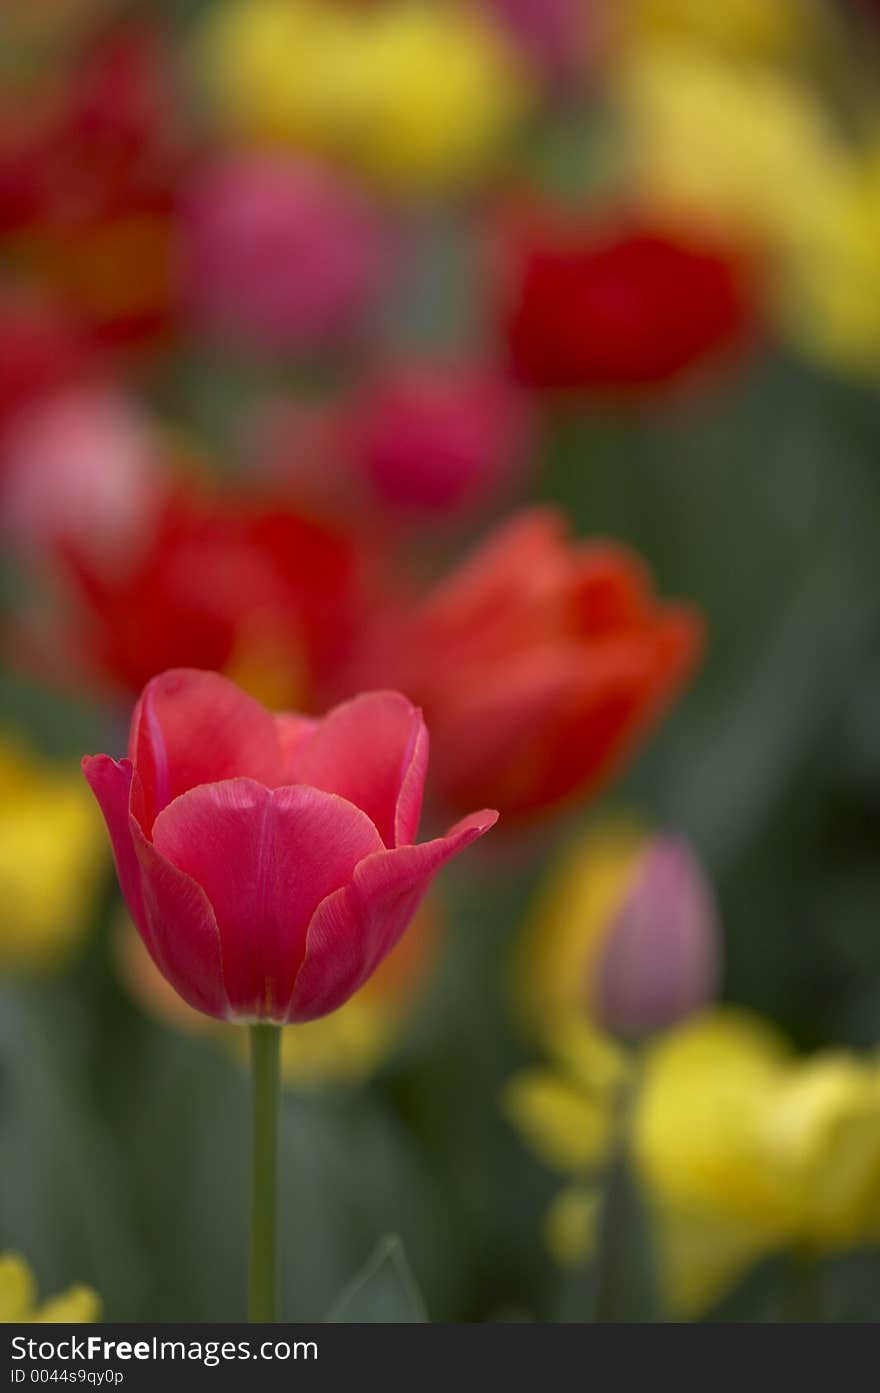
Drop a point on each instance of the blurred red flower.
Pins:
(88, 175)
(242, 586)
(629, 306)
(540, 664)
(40, 351)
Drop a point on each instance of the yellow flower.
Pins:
(745, 1149)
(418, 97)
(747, 149)
(568, 923)
(344, 1048)
(829, 301)
(565, 1126)
(571, 1224)
(742, 1148)
(18, 1298)
(739, 26)
(52, 854)
(567, 1113)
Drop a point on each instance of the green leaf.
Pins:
(384, 1292)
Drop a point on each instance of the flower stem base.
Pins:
(265, 1043)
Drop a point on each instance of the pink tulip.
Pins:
(441, 439)
(268, 861)
(661, 956)
(561, 38)
(279, 255)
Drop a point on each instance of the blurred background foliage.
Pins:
(751, 489)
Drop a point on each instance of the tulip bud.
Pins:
(660, 956)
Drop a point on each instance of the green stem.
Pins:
(611, 1255)
(265, 1085)
(624, 1284)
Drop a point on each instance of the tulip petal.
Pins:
(171, 912)
(293, 731)
(111, 782)
(191, 727)
(265, 860)
(180, 930)
(373, 751)
(355, 928)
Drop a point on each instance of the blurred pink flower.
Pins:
(560, 37)
(78, 467)
(436, 439)
(279, 254)
(661, 955)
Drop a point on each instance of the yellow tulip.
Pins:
(746, 27)
(417, 97)
(742, 1148)
(52, 855)
(745, 1149)
(567, 924)
(18, 1298)
(747, 149)
(829, 301)
(571, 1225)
(567, 1128)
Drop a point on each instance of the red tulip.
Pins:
(268, 861)
(231, 584)
(593, 308)
(540, 664)
(88, 183)
(40, 351)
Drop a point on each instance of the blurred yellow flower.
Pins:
(568, 1112)
(743, 1149)
(746, 148)
(568, 922)
(18, 1298)
(418, 97)
(571, 1224)
(746, 1149)
(344, 1048)
(829, 300)
(569, 1128)
(52, 855)
(738, 26)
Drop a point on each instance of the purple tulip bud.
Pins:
(662, 953)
